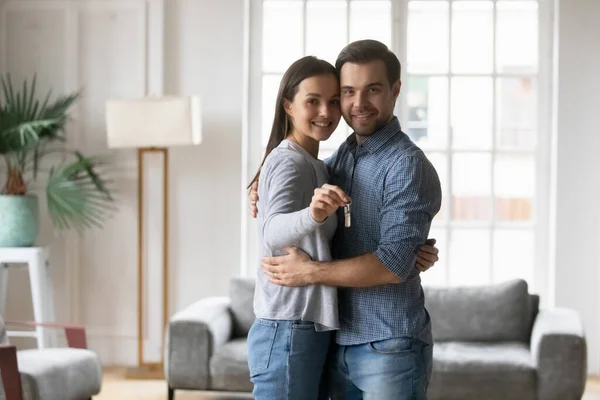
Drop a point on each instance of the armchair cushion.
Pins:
(193, 335)
(229, 367)
(59, 373)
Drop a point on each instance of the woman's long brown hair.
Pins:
(304, 68)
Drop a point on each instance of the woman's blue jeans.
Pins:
(287, 360)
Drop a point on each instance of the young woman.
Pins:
(289, 340)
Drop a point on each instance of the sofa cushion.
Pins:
(491, 371)
(60, 373)
(499, 312)
(241, 292)
(229, 367)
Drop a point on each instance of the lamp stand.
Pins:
(151, 370)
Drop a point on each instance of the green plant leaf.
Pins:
(78, 196)
(77, 193)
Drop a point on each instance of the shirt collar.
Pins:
(379, 138)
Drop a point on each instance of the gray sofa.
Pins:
(491, 342)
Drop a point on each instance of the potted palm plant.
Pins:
(32, 131)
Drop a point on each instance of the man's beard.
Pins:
(378, 125)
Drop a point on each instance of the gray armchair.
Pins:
(205, 345)
(491, 342)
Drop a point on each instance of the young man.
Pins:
(384, 347)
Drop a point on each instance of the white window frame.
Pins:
(252, 146)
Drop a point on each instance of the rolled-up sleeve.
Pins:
(412, 197)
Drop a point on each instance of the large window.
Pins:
(470, 99)
(292, 29)
(471, 102)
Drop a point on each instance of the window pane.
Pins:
(469, 257)
(326, 26)
(513, 255)
(371, 20)
(440, 163)
(324, 153)
(517, 113)
(517, 36)
(471, 187)
(514, 187)
(427, 101)
(270, 87)
(436, 276)
(471, 113)
(472, 36)
(428, 36)
(282, 34)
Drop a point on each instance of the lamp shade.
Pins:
(160, 121)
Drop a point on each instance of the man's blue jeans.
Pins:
(397, 369)
(287, 360)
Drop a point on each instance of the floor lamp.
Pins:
(152, 125)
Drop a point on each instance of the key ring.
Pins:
(347, 219)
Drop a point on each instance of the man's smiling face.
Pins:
(367, 97)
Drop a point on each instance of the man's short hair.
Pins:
(365, 51)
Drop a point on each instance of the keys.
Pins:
(347, 221)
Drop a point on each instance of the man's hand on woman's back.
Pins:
(428, 254)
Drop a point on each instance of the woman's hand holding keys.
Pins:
(326, 200)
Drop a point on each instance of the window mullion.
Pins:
(449, 155)
(304, 24)
(252, 145)
(494, 134)
(543, 260)
(347, 21)
(400, 48)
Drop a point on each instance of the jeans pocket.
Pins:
(261, 338)
(303, 325)
(428, 360)
(392, 346)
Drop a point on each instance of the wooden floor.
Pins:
(116, 387)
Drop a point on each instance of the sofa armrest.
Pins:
(193, 335)
(559, 352)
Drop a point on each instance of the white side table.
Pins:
(42, 291)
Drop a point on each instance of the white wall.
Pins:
(577, 275)
(100, 45)
(203, 54)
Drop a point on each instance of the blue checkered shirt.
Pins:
(395, 194)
